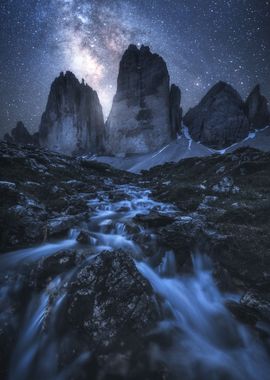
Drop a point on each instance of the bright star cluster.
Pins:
(201, 41)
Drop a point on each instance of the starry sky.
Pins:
(202, 42)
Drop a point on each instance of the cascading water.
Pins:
(206, 342)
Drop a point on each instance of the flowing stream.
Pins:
(206, 342)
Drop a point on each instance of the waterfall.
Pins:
(207, 342)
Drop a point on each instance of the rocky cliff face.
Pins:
(144, 113)
(257, 109)
(219, 120)
(73, 119)
(175, 110)
(20, 135)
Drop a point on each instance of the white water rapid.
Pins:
(205, 341)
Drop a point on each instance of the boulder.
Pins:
(108, 310)
(84, 237)
(219, 120)
(109, 301)
(73, 119)
(258, 300)
(49, 267)
(257, 109)
(62, 223)
(145, 112)
(242, 312)
(154, 219)
(25, 223)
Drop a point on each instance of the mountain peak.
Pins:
(257, 109)
(141, 117)
(219, 120)
(73, 120)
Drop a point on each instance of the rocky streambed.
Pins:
(110, 275)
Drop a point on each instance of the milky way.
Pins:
(201, 41)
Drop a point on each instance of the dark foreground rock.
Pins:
(96, 306)
(225, 203)
(110, 303)
(154, 219)
(99, 312)
(45, 194)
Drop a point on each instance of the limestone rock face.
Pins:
(73, 120)
(219, 120)
(175, 110)
(139, 121)
(257, 109)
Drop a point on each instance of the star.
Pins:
(201, 42)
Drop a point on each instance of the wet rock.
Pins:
(258, 300)
(38, 185)
(242, 312)
(181, 237)
(62, 224)
(147, 243)
(118, 196)
(132, 228)
(154, 219)
(110, 303)
(139, 121)
(49, 267)
(22, 224)
(219, 120)
(229, 225)
(8, 336)
(242, 250)
(84, 237)
(73, 119)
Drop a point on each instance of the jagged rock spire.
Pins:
(73, 120)
(257, 109)
(219, 120)
(144, 112)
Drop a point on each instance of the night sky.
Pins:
(201, 41)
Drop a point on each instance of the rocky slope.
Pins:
(222, 118)
(226, 204)
(100, 294)
(146, 112)
(73, 119)
(46, 193)
(184, 147)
